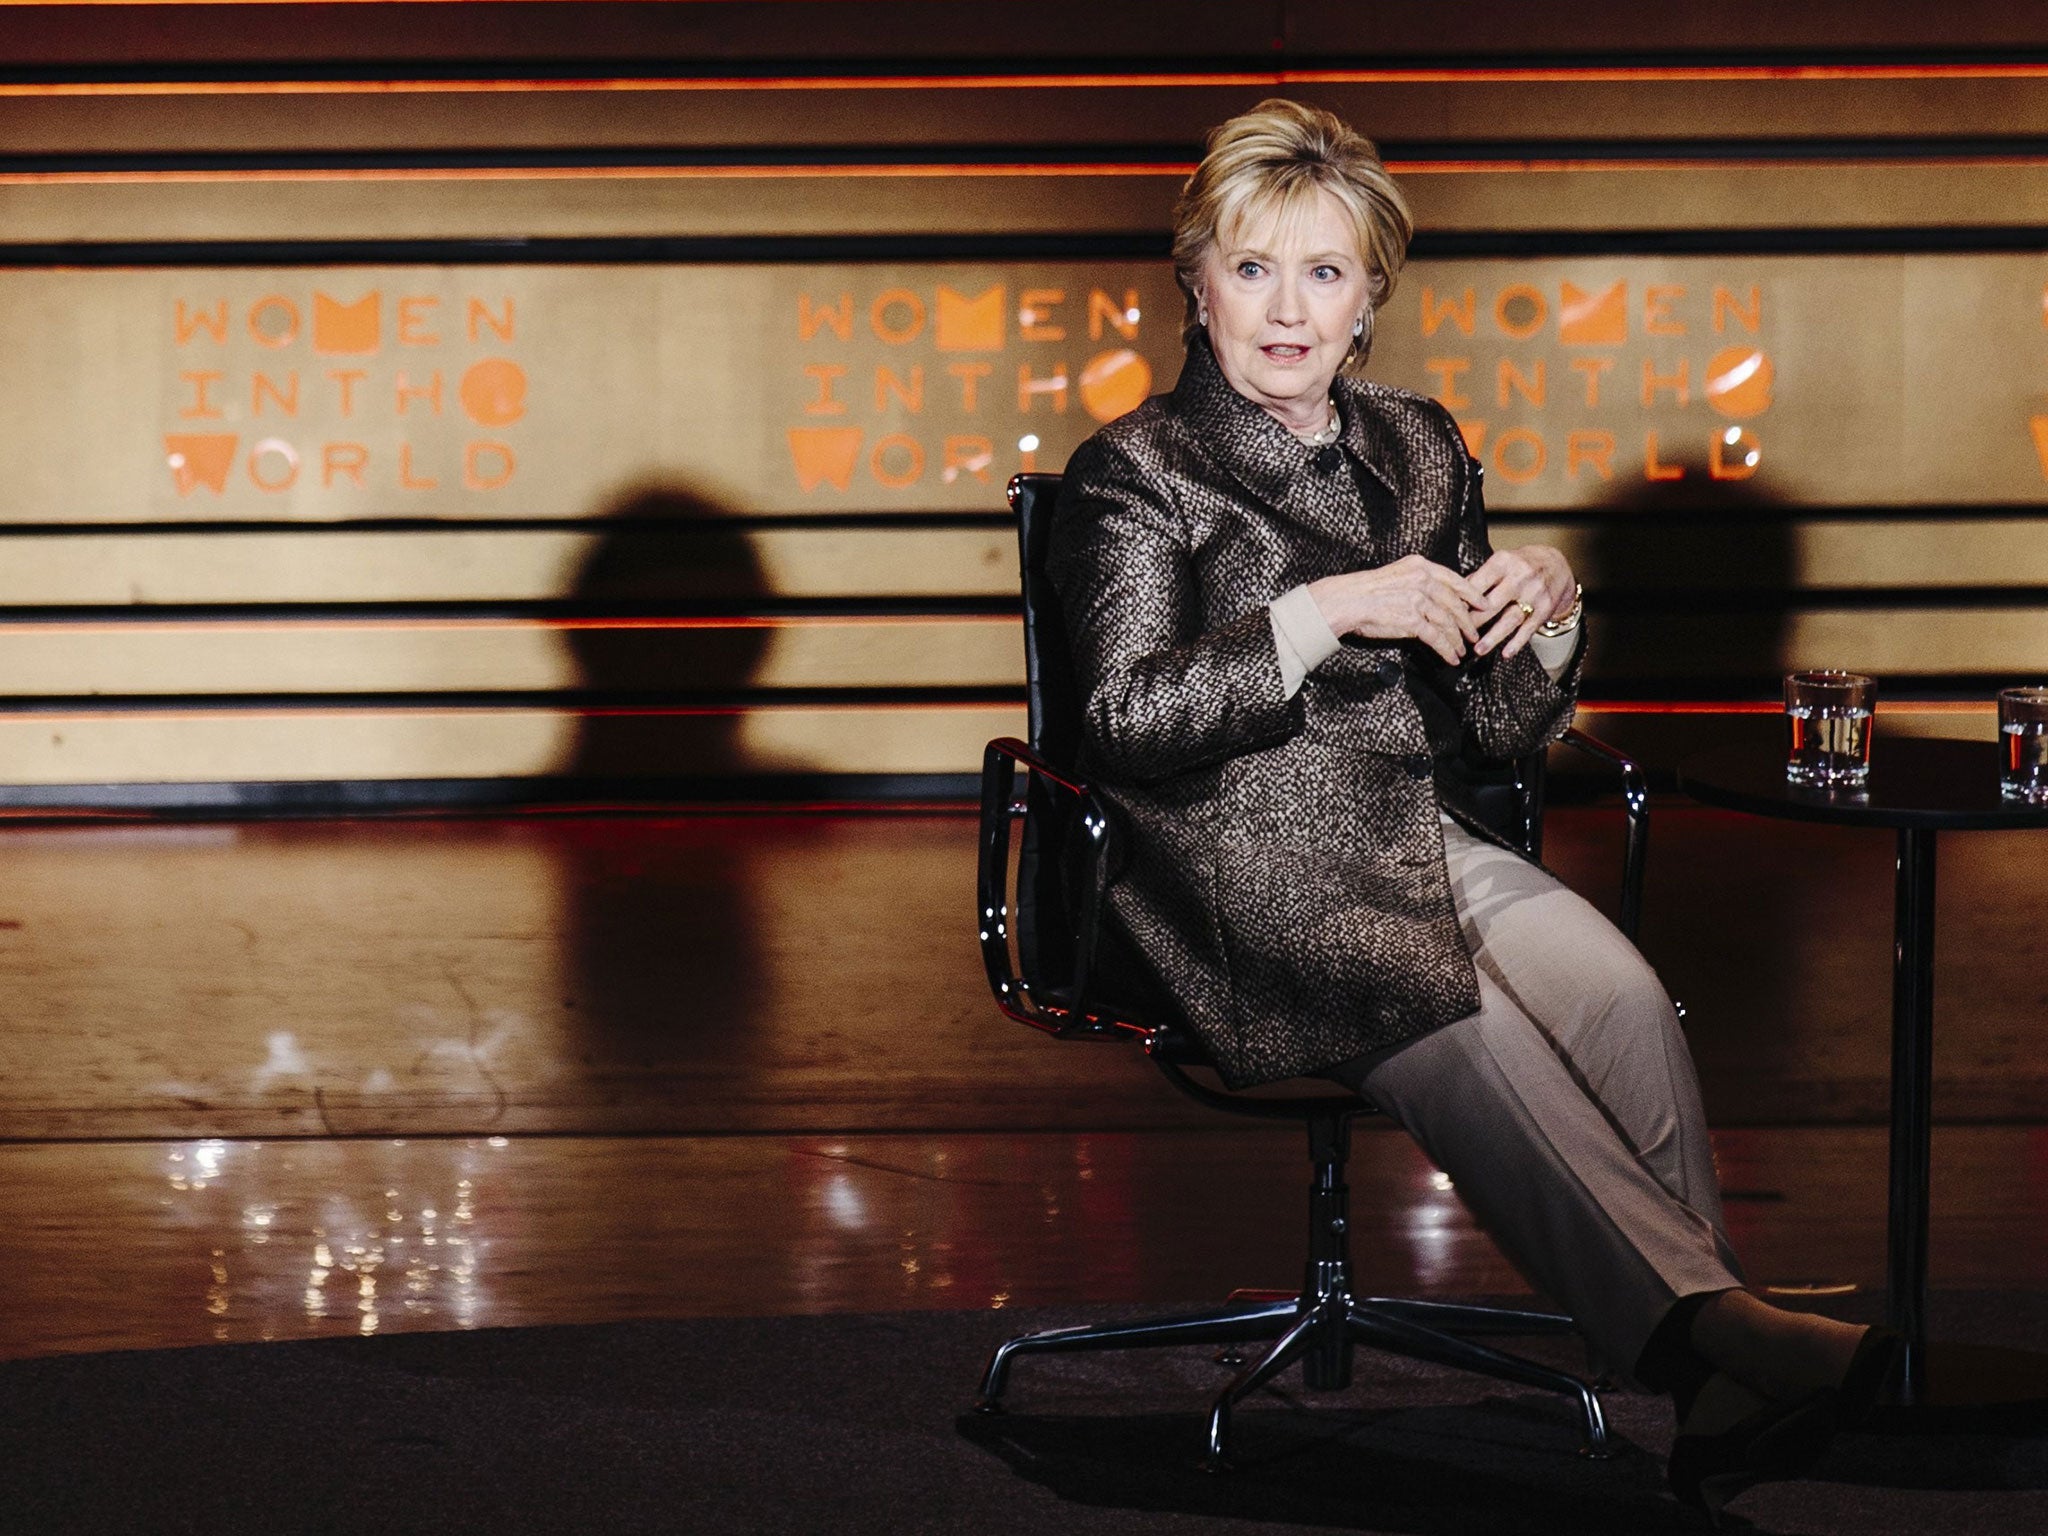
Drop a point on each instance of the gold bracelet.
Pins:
(1572, 615)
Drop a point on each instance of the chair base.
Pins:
(1321, 1332)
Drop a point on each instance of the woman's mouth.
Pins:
(1282, 352)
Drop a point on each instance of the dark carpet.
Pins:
(858, 1424)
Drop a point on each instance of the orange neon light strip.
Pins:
(1630, 74)
(584, 173)
(72, 4)
(928, 172)
(17, 716)
(1595, 707)
(1695, 163)
(318, 625)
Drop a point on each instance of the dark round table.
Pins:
(1919, 789)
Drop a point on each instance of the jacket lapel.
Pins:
(1238, 437)
(1307, 486)
(1369, 439)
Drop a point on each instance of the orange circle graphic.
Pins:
(1114, 383)
(494, 392)
(913, 461)
(1739, 381)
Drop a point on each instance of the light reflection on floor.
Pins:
(380, 1247)
(115, 1245)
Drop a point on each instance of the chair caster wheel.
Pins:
(987, 1405)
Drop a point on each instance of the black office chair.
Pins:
(1051, 983)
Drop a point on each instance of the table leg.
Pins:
(1912, 1100)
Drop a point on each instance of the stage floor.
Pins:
(117, 1245)
(288, 1079)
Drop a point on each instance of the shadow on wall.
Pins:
(662, 549)
(663, 930)
(1692, 581)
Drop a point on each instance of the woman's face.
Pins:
(1283, 296)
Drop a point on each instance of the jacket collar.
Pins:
(1255, 448)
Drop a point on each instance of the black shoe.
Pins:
(1878, 1362)
(1780, 1441)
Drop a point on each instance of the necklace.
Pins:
(1327, 433)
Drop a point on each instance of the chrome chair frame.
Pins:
(1326, 1320)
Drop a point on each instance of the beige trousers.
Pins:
(1566, 1111)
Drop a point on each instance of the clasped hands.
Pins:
(1497, 607)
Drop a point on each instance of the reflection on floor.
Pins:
(273, 1081)
(125, 1245)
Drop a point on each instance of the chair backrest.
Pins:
(1046, 906)
(1055, 703)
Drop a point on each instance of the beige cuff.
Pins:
(1554, 652)
(1301, 635)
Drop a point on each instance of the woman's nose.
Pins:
(1286, 307)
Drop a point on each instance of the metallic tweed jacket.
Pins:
(1283, 870)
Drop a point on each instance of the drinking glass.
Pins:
(1827, 717)
(2023, 728)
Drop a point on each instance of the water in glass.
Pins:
(1828, 746)
(2023, 730)
(2026, 760)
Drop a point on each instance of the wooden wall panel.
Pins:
(710, 32)
(938, 198)
(1034, 119)
(1898, 643)
(990, 34)
(1702, 553)
(652, 391)
(496, 565)
(1758, 195)
(1399, 27)
(686, 113)
(1875, 173)
(753, 659)
(676, 657)
(933, 199)
(284, 745)
(696, 391)
(493, 566)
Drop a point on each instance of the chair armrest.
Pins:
(1015, 752)
(1635, 798)
(1064, 1010)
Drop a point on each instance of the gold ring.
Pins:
(1528, 609)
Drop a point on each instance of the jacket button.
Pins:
(1418, 766)
(1390, 672)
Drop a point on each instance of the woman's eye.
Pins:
(1325, 273)
(1249, 269)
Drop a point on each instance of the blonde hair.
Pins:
(1273, 160)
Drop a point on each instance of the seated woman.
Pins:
(1288, 626)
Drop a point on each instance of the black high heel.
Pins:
(1779, 1441)
(1879, 1359)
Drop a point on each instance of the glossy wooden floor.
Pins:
(123, 1245)
(268, 1081)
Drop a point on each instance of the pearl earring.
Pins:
(1358, 326)
(1202, 316)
